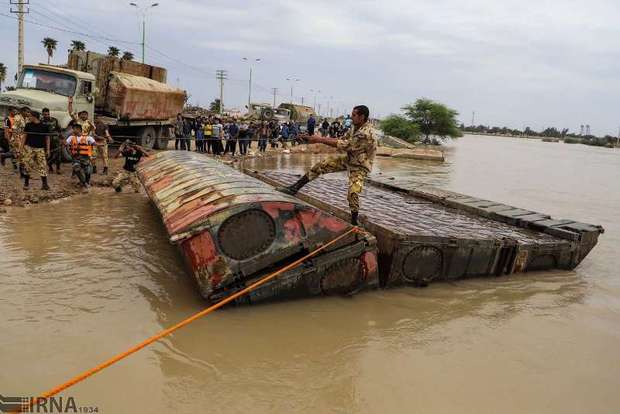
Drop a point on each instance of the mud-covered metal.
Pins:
(232, 229)
(426, 234)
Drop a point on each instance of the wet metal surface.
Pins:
(233, 229)
(89, 277)
(420, 239)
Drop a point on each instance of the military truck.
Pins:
(130, 97)
(267, 112)
(299, 113)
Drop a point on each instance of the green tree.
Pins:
(433, 118)
(2, 74)
(400, 127)
(127, 56)
(78, 45)
(113, 51)
(215, 106)
(50, 47)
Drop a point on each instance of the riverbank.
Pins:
(593, 142)
(12, 193)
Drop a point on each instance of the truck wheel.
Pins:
(163, 139)
(147, 137)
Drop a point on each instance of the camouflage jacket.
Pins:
(19, 123)
(87, 126)
(360, 146)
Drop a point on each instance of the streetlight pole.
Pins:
(292, 82)
(249, 61)
(143, 11)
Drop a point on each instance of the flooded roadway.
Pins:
(86, 278)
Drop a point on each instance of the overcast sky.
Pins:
(514, 62)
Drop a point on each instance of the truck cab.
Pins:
(46, 86)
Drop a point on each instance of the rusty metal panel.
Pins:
(232, 229)
(421, 238)
(132, 97)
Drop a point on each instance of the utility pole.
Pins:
(143, 11)
(275, 92)
(220, 75)
(473, 117)
(292, 81)
(250, 62)
(20, 30)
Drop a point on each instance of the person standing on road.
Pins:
(233, 135)
(103, 138)
(179, 142)
(324, 127)
(311, 125)
(14, 124)
(208, 132)
(360, 147)
(133, 154)
(55, 153)
(35, 147)
(218, 132)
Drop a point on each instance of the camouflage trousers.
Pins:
(34, 159)
(103, 154)
(123, 177)
(15, 148)
(356, 177)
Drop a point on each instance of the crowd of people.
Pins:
(35, 144)
(222, 135)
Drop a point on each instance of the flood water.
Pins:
(86, 278)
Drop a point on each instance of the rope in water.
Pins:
(154, 338)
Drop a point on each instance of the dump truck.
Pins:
(130, 97)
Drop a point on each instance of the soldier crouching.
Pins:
(133, 154)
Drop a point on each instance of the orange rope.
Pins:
(181, 324)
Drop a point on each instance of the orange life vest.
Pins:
(79, 146)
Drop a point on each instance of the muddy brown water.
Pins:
(86, 278)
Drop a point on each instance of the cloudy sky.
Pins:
(514, 62)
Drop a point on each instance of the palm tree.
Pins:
(78, 45)
(113, 51)
(127, 56)
(2, 74)
(50, 46)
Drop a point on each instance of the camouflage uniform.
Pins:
(15, 143)
(123, 177)
(360, 147)
(34, 160)
(55, 141)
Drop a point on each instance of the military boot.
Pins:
(44, 185)
(354, 215)
(94, 169)
(105, 171)
(294, 188)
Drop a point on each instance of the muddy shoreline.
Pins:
(64, 186)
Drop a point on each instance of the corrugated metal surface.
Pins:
(136, 98)
(421, 238)
(231, 228)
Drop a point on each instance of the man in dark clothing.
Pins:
(324, 128)
(233, 135)
(133, 154)
(311, 124)
(53, 127)
(36, 146)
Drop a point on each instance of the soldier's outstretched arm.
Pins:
(315, 139)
